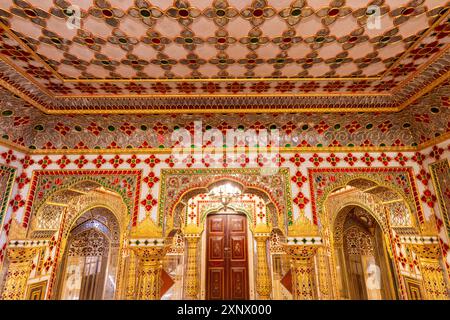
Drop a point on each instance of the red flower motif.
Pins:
(289, 127)
(149, 202)
(297, 160)
(17, 202)
(367, 159)
(170, 161)
(384, 159)
(94, 128)
(116, 161)
(316, 159)
(152, 161)
(235, 87)
(400, 158)
(151, 179)
(333, 159)
(418, 157)
(9, 156)
(211, 87)
(423, 176)
(44, 162)
(299, 179)
(353, 127)
(301, 201)
(127, 128)
(321, 127)
(63, 162)
(428, 198)
(22, 180)
(350, 159)
(436, 152)
(26, 162)
(99, 161)
(133, 161)
(61, 128)
(385, 126)
(81, 161)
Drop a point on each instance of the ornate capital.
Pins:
(303, 252)
(147, 228)
(192, 231)
(150, 254)
(429, 227)
(21, 254)
(16, 230)
(303, 227)
(427, 251)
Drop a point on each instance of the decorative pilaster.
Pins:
(149, 271)
(325, 291)
(302, 268)
(263, 279)
(191, 282)
(435, 286)
(19, 269)
(130, 293)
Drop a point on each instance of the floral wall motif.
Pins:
(251, 39)
(7, 175)
(425, 120)
(151, 166)
(440, 172)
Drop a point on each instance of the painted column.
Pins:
(191, 283)
(149, 272)
(263, 280)
(19, 269)
(302, 268)
(432, 273)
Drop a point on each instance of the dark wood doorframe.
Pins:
(227, 276)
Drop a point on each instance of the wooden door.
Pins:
(226, 257)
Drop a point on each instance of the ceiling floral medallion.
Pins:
(335, 11)
(104, 10)
(296, 12)
(258, 12)
(144, 11)
(221, 13)
(183, 12)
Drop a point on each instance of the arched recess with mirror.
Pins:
(88, 223)
(90, 261)
(366, 269)
(361, 216)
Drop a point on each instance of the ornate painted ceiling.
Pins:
(223, 55)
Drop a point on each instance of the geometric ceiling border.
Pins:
(171, 107)
(22, 149)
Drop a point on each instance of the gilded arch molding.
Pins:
(177, 183)
(323, 181)
(47, 183)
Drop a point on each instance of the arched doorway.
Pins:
(90, 260)
(365, 268)
(226, 256)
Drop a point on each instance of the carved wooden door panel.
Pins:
(226, 257)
